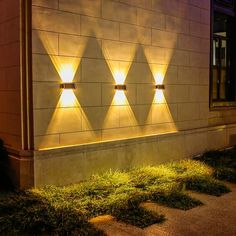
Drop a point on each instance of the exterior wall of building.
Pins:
(96, 44)
(10, 102)
(100, 43)
(15, 91)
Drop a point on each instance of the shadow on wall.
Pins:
(5, 183)
(141, 110)
(95, 111)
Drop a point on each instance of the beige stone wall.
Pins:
(72, 164)
(10, 114)
(97, 42)
(222, 116)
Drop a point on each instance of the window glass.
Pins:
(223, 53)
(220, 60)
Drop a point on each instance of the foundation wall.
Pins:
(73, 164)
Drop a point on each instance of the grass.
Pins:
(223, 162)
(67, 210)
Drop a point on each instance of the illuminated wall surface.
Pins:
(97, 44)
(10, 105)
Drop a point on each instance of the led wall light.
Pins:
(160, 86)
(67, 86)
(120, 87)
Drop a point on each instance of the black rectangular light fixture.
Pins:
(120, 87)
(160, 86)
(68, 85)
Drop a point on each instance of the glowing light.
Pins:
(159, 97)
(119, 59)
(63, 118)
(119, 77)
(67, 73)
(120, 98)
(68, 99)
(159, 77)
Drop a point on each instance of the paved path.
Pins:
(217, 217)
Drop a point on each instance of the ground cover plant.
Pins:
(67, 210)
(223, 162)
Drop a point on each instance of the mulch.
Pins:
(5, 183)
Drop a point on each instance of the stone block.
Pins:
(44, 42)
(83, 7)
(96, 70)
(79, 46)
(188, 111)
(55, 21)
(79, 138)
(198, 93)
(164, 39)
(119, 12)
(217, 138)
(176, 24)
(188, 75)
(176, 93)
(199, 59)
(150, 19)
(46, 141)
(99, 28)
(55, 121)
(114, 50)
(45, 3)
(135, 34)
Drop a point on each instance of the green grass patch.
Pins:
(225, 173)
(24, 213)
(206, 185)
(138, 216)
(223, 162)
(176, 199)
(67, 210)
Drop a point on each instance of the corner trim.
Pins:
(26, 74)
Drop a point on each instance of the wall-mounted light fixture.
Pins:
(68, 86)
(160, 86)
(120, 87)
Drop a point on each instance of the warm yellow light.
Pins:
(120, 98)
(67, 73)
(68, 99)
(119, 77)
(159, 77)
(159, 97)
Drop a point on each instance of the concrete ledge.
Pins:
(68, 165)
(99, 145)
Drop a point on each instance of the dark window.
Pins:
(227, 3)
(223, 61)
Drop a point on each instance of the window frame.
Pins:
(222, 8)
(226, 3)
